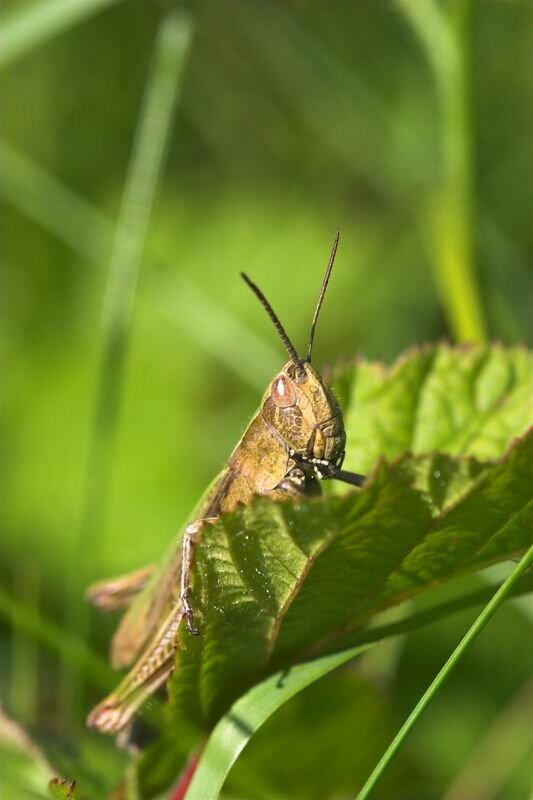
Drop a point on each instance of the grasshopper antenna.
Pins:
(321, 295)
(289, 347)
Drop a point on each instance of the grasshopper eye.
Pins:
(282, 392)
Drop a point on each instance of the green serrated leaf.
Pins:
(250, 712)
(279, 582)
(462, 401)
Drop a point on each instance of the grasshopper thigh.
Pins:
(151, 670)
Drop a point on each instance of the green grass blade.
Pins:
(39, 195)
(451, 231)
(459, 651)
(71, 648)
(235, 729)
(217, 331)
(80, 225)
(149, 150)
(155, 121)
(24, 683)
(36, 23)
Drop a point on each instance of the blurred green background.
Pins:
(130, 370)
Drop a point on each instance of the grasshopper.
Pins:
(295, 440)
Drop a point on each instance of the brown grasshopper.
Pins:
(296, 439)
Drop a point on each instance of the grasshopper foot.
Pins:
(192, 532)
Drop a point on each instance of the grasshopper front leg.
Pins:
(190, 538)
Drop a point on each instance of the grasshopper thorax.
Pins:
(301, 411)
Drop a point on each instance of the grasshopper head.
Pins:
(298, 407)
(301, 410)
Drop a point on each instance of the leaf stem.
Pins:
(459, 651)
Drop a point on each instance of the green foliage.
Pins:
(25, 771)
(388, 120)
(460, 401)
(279, 584)
(61, 789)
(276, 584)
(488, 611)
(248, 714)
(245, 716)
(278, 581)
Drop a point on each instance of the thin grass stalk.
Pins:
(35, 23)
(43, 198)
(449, 221)
(24, 659)
(80, 225)
(33, 625)
(475, 629)
(153, 128)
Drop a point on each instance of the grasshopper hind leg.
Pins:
(150, 672)
(156, 664)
